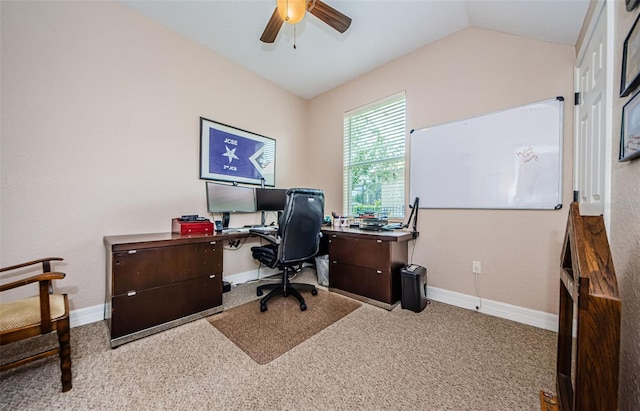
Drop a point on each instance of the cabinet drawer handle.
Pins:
(378, 272)
(131, 293)
(378, 241)
(212, 276)
(132, 251)
(213, 243)
(334, 262)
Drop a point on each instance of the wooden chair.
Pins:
(30, 317)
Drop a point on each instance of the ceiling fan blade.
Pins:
(329, 15)
(273, 27)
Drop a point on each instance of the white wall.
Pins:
(468, 73)
(100, 133)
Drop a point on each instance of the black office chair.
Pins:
(297, 240)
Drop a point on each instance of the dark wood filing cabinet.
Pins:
(159, 281)
(366, 265)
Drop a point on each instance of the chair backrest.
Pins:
(300, 224)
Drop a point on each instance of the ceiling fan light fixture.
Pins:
(292, 11)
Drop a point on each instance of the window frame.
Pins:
(397, 101)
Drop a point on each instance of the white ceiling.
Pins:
(381, 31)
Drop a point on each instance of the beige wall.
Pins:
(100, 133)
(624, 237)
(469, 73)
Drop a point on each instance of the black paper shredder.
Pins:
(414, 287)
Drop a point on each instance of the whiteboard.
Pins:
(510, 159)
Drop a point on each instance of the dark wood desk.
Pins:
(158, 281)
(366, 265)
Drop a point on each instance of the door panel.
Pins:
(590, 131)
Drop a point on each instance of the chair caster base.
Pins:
(314, 292)
(303, 307)
(263, 308)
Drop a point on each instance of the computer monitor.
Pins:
(226, 199)
(270, 199)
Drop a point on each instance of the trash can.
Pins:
(414, 287)
(322, 269)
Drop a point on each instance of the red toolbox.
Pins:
(191, 227)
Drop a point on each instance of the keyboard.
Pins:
(236, 230)
(267, 230)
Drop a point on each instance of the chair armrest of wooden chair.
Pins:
(44, 279)
(46, 264)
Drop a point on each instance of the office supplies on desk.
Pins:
(191, 226)
(372, 224)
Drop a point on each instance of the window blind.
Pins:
(374, 157)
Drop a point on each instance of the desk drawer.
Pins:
(367, 253)
(138, 270)
(159, 305)
(367, 282)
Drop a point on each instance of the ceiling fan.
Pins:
(292, 11)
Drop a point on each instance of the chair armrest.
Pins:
(36, 278)
(266, 234)
(46, 264)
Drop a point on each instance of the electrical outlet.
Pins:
(477, 267)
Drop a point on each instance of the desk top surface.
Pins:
(394, 235)
(131, 241)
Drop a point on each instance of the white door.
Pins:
(590, 140)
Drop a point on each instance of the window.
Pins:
(374, 141)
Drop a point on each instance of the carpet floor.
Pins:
(443, 358)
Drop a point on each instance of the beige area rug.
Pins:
(266, 336)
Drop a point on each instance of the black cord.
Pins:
(235, 244)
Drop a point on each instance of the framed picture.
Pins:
(631, 61)
(234, 155)
(630, 130)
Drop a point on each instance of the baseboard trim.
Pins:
(522, 315)
(86, 315)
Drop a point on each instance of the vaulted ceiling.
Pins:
(381, 31)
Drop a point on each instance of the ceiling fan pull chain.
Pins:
(294, 36)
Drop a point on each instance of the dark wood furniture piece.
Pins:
(159, 281)
(366, 265)
(30, 317)
(588, 361)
